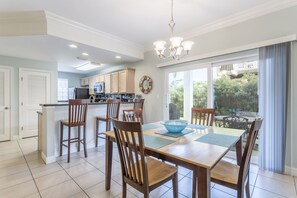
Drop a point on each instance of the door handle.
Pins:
(6, 108)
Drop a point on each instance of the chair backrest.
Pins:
(235, 122)
(133, 115)
(138, 103)
(245, 163)
(77, 112)
(202, 116)
(113, 108)
(130, 145)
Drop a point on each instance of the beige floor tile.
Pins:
(36, 163)
(52, 179)
(90, 179)
(100, 192)
(169, 183)
(9, 156)
(20, 190)
(254, 168)
(33, 156)
(79, 195)
(276, 186)
(158, 192)
(260, 193)
(281, 177)
(15, 179)
(185, 187)
(169, 194)
(74, 161)
(183, 171)
(129, 195)
(220, 194)
(65, 189)
(46, 169)
(13, 169)
(80, 169)
(230, 191)
(12, 162)
(35, 195)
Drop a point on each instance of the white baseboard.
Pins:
(48, 160)
(290, 171)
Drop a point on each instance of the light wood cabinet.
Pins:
(92, 81)
(127, 81)
(114, 88)
(107, 83)
(84, 81)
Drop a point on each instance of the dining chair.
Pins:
(133, 115)
(112, 111)
(139, 171)
(202, 116)
(138, 103)
(234, 176)
(235, 122)
(77, 114)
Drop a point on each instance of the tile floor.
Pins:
(23, 174)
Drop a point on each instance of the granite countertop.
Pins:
(66, 104)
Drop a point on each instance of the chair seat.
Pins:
(225, 172)
(104, 118)
(158, 171)
(66, 122)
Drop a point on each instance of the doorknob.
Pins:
(6, 108)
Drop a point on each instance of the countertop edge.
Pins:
(66, 104)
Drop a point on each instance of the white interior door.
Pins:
(5, 104)
(34, 90)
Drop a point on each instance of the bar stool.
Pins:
(77, 114)
(113, 107)
(138, 103)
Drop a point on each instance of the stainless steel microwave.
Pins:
(99, 88)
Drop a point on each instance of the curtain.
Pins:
(274, 62)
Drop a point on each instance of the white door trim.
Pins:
(21, 70)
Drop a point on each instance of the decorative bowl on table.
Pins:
(175, 126)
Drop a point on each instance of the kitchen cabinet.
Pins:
(107, 83)
(127, 81)
(101, 78)
(92, 81)
(114, 88)
(84, 81)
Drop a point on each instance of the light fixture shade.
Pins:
(187, 45)
(176, 41)
(159, 45)
(179, 51)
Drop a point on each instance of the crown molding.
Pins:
(236, 18)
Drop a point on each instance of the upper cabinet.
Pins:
(114, 87)
(92, 81)
(127, 81)
(84, 81)
(107, 83)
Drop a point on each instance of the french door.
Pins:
(35, 89)
(5, 103)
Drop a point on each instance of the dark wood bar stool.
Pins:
(77, 114)
(113, 107)
(138, 104)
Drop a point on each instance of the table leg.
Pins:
(108, 162)
(239, 151)
(203, 182)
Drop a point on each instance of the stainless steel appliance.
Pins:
(99, 88)
(78, 93)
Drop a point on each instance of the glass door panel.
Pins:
(176, 95)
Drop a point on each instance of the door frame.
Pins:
(21, 70)
(13, 123)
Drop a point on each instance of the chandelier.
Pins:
(177, 47)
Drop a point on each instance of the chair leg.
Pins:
(194, 184)
(97, 130)
(78, 139)
(85, 142)
(124, 192)
(247, 187)
(69, 137)
(107, 125)
(61, 139)
(175, 186)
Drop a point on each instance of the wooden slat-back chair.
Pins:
(77, 113)
(202, 116)
(139, 171)
(138, 103)
(133, 115)
(112, 111)
(234, 176)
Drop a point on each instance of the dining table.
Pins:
(197, 148)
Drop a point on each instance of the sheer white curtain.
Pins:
(274, 62)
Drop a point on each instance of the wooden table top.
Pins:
(185, 148)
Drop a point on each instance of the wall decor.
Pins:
(146, 84)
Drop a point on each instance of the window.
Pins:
(62, 89)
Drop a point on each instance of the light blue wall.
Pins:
(16, 64)
(275, 25)
(73, 78)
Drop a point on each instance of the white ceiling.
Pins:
(139, 21)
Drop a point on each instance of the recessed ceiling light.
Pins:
(88, 66)
(85, 54)
(73, 46)
(118, 57)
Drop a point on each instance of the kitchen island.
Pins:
(50, 127)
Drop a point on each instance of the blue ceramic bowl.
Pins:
(175, 126)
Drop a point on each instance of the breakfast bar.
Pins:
(52, 114)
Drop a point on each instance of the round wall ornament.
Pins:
(146, 84)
